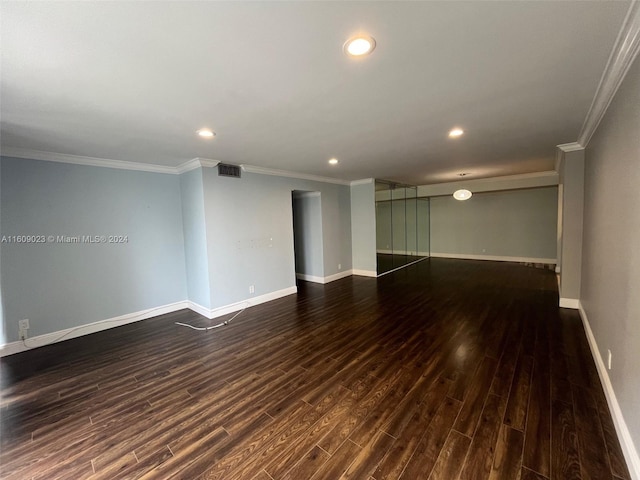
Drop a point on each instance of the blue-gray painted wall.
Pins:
(249, 223)
(195, 238)
(58, 286)
(363, 226)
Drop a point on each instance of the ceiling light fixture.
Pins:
(462, 194)
(359, 45)
(455, 132)
(206, 133)
(333, 161)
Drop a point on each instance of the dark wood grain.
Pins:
(448, 369)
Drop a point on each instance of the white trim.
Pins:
(495, 258)
(557, 268)
(194, 163)
(365, 273)
(626, 442)
(323, 280)
(86, 329)
(573, 303)
(288, 174)
(338, 276)
(80, 160)
(310, 278)
(196, 307)
(211, 313)
(570, 147)
(623, 53)
(364, 181)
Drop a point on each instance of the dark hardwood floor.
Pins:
(447, 369)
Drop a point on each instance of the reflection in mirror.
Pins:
(402, 226)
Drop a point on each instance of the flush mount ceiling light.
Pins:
(462, 194)
(333, 161)
(455, 132)
(206, 133)
(359, 45)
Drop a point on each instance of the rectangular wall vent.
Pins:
(225, 170)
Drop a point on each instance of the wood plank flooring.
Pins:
(448, 369)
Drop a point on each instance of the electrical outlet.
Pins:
(339, 266)
(23, 334)
(23, 324)
(252, 289)
(609, 359)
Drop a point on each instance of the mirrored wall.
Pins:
(402, 225)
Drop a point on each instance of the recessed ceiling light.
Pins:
(456, 132)
(206, 133)
(333, 161)
(462, 194)
(359, 45)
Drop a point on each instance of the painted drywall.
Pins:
(249, 223)
(307, 233)
(517, 223)
(611, 241)
(60, 285)
(363, 226)
(195, 238)
(572, 180)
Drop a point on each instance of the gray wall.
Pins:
(363, 226)
(572, 180)
(195, 238)
(307, 228)
(58, 286)
(250, 232)
(611, 242)
(518, 223)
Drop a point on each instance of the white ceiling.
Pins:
(134, 80)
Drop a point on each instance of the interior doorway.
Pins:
(307, 235)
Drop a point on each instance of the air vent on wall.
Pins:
(225, 170)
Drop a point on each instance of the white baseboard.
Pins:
(495, 258)
(569, 303)
(234, 307)
(309, 278)
(338, 276)
(626, 442)
(365, 273)
(323, 280)
(61, 335)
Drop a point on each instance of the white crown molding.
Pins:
(80, 160)
(364, 181)
(288, 174)
(624, 51)
(570, 147)
(194, 163)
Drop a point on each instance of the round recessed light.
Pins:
(462, 194)
(359, 45)
(333, 161)
(456, 132)
(206, 133)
